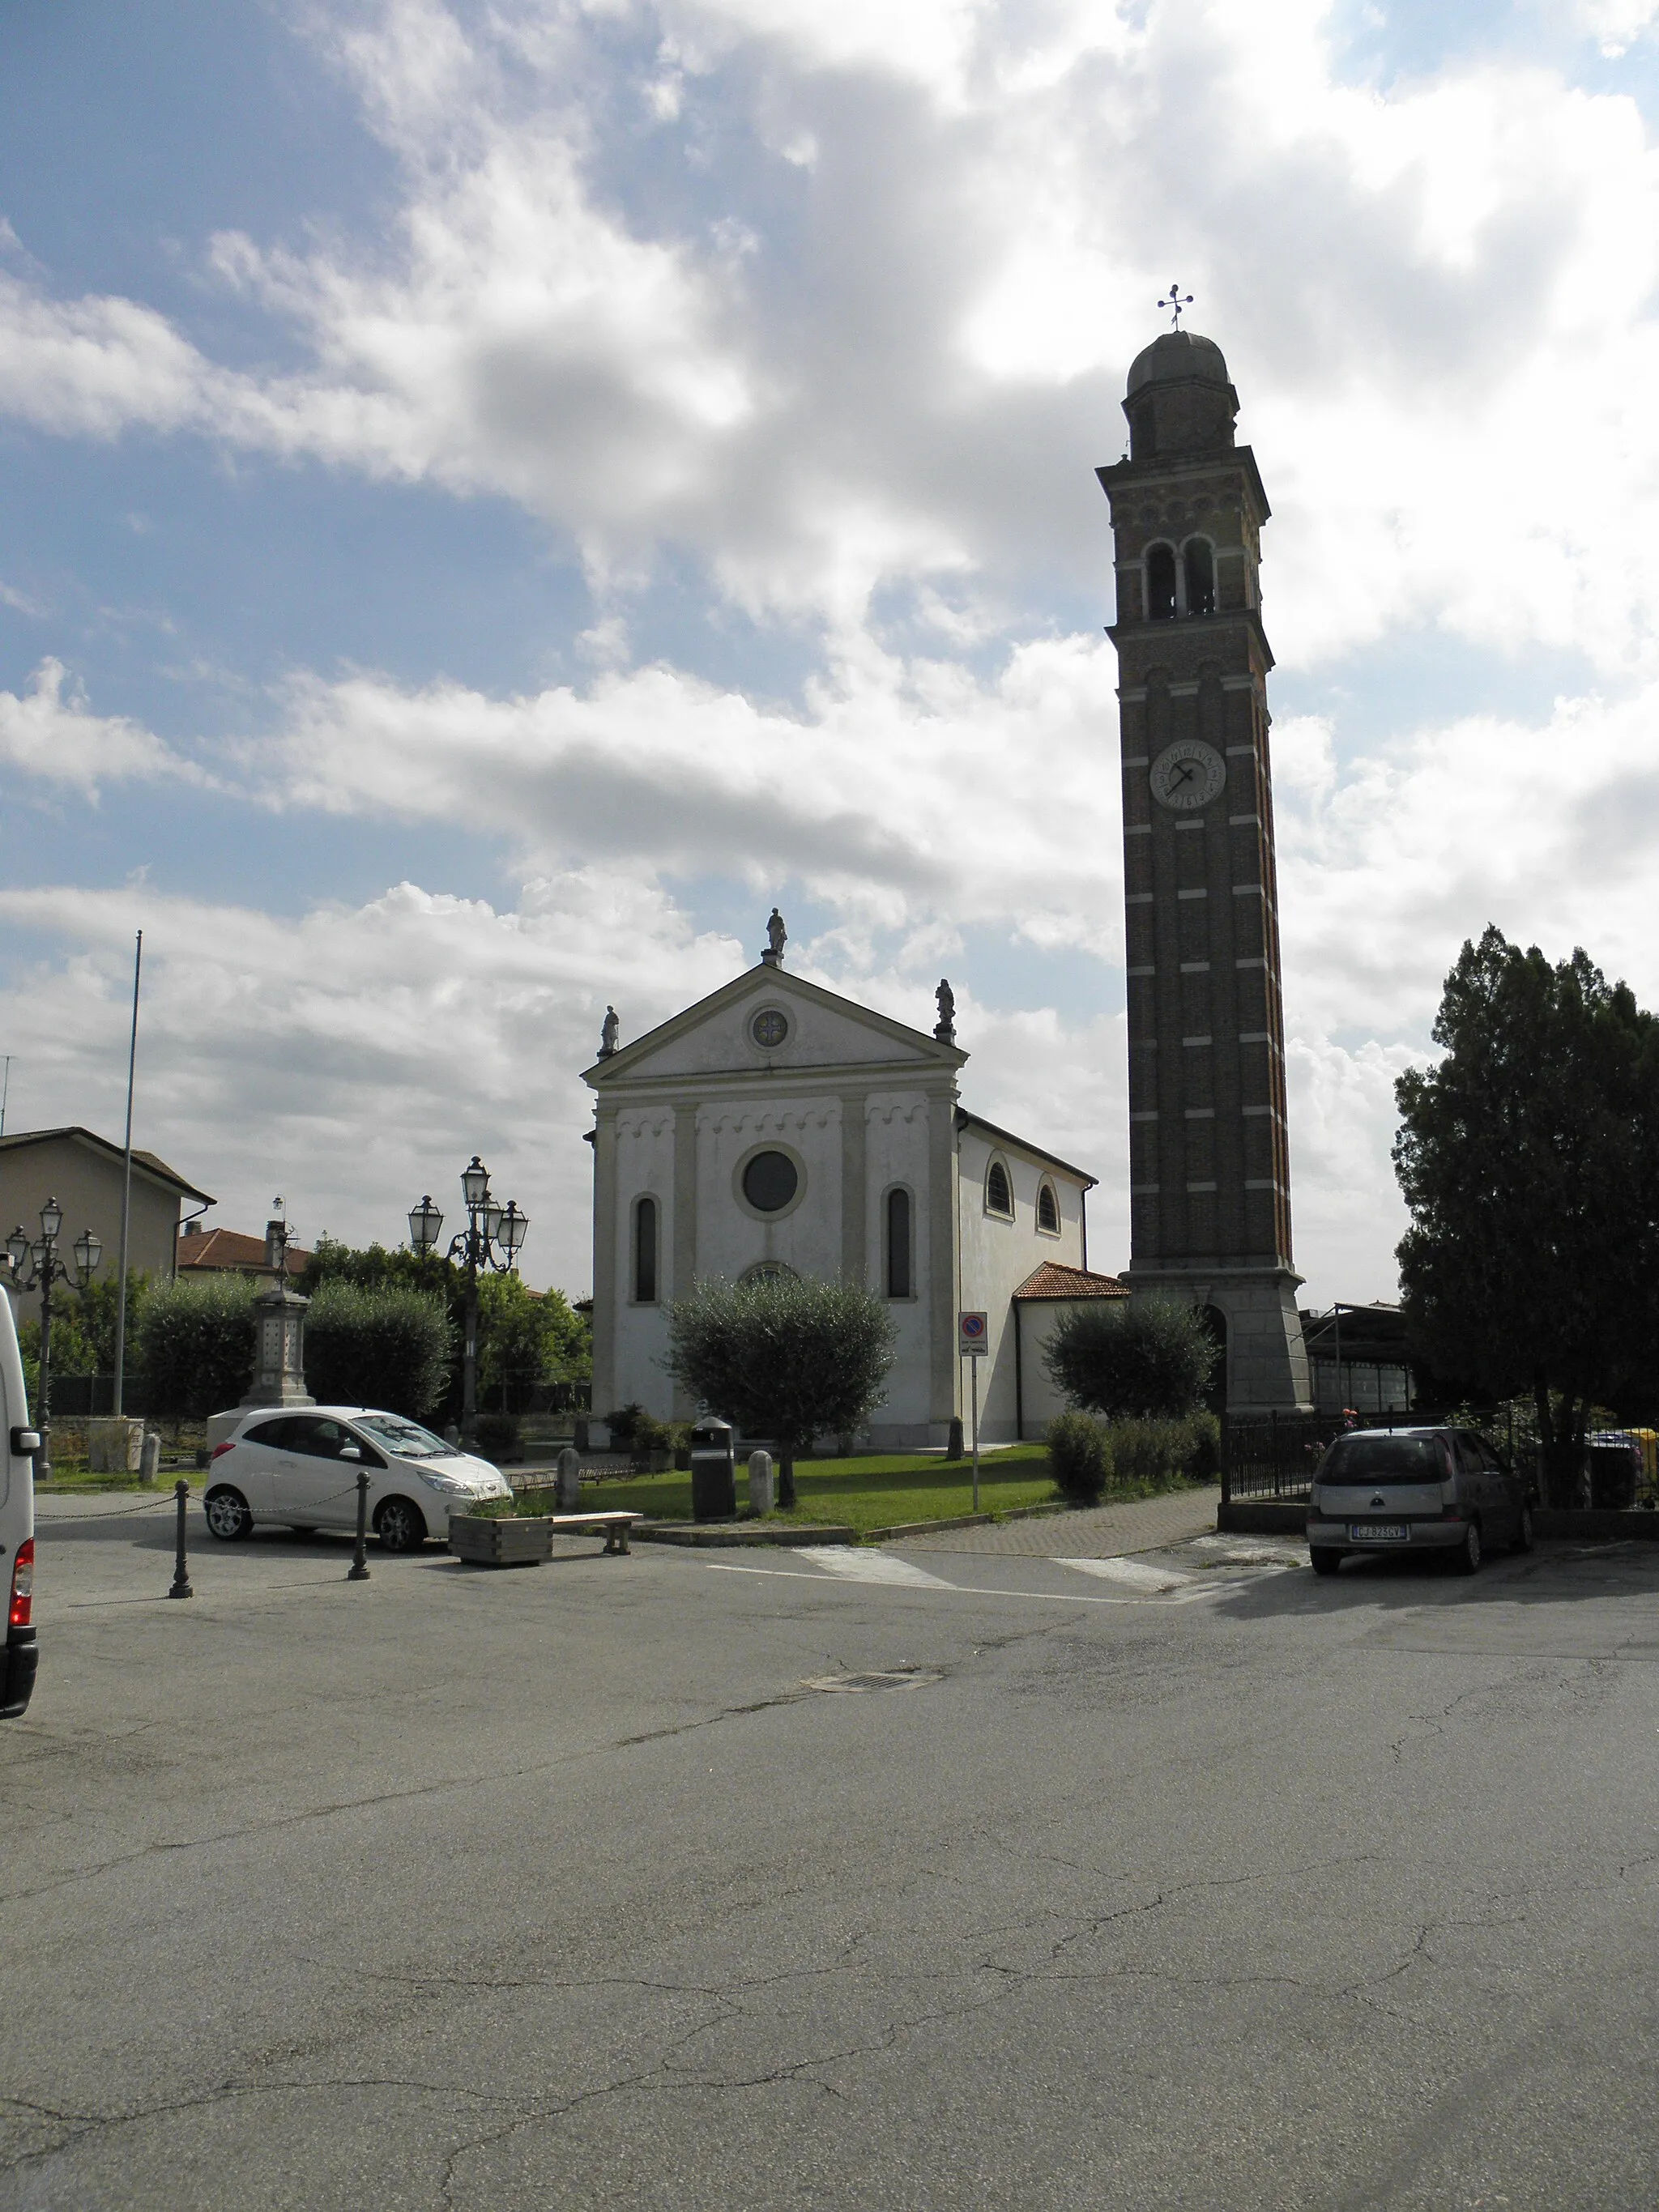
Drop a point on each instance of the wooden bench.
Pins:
(615, 1527)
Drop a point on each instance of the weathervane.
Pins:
(1177, 303)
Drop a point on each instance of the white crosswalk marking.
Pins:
(855, 1564)
(1132, 1573)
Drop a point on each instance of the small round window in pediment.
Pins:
(769, 1028)
(769, 1182)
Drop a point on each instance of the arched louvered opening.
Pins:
(998, 1191)
(1161, 584)
(1048, 1211)
(1200, 576)
(645, 1252)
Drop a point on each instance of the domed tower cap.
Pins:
(1180, 400)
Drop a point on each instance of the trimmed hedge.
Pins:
(387, 1348)
(1092, 1458)
(195, 1344)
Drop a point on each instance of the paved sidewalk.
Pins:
(1096, 1532)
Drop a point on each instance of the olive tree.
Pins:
(196, 1344)
(1138, 1359)
(783, 1358)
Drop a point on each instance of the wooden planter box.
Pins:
(520, 1540)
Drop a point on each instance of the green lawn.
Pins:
(876, 1492)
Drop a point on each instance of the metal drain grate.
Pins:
(908, 1678)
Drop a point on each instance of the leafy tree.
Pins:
(386, 1347)
(95, 1311)
(1529, 1161)
(521, 1336)
(783, 1358)
(1142, 1358)
(73, 1352)
(196, 1340)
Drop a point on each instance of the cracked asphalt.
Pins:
(562, 1888)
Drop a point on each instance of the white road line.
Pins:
(861, 1566)
(1133, 1572)
(952, 1590)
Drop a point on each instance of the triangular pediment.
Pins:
(768, 1019)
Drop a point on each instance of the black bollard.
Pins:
(360, 1557)
(180, 1572)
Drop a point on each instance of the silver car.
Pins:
(1438, 1490)
(301, 1469)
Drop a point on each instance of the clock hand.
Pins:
(1185, 776)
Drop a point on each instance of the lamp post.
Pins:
(491, 1240)
(35, 1265)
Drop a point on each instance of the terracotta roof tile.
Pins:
(226, 1251)
(1051, 1281)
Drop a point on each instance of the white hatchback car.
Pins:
(300, 1468)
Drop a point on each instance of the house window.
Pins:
(898, 1244)
(645, 1252)
(998, 1191)
(1048, 1211)
(1161, 584)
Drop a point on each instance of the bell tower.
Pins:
(1209, 1175)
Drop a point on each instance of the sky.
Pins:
(492, 498)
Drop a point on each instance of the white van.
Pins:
(18, 1444)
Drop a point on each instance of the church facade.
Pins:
(776, 1127)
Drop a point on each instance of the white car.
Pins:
(300, 1468)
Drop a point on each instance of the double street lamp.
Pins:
(35, 1265)
(490, 1242)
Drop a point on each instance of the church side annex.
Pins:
(776, 1126)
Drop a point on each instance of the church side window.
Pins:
(645, 1252)
(1200, 576)
(1048, 1211)
(1161, 584)
(899, 1283)
(998, 1191)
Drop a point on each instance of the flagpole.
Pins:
(126, 1188)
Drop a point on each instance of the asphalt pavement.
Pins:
(907, 1878)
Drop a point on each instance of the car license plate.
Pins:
(1378, 1532)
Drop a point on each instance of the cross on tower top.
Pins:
(1177, 303)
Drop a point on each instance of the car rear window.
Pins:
(1383, 1459)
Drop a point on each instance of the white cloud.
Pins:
(45, 734)
(898, 363)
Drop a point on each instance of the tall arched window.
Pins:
(898, 1244)
(998, 1192)
(1048, 1211)
(1201, 577)
(645, 1252)
(1161, 584)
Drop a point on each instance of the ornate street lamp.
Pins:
(36, 1265)
(491, 1240)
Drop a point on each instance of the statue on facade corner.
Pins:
(776, 937)
(945, 1028)
(608, 1032)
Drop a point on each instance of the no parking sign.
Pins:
(972, 1331)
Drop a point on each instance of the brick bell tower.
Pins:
(1209, 1174)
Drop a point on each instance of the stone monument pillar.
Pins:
(279, 1366)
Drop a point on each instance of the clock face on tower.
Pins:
(1188, 774)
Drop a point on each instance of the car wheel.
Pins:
(1524, 1528)
(1326, 1559)
(227, 1515)
(1466, 1559)
(399, 1525)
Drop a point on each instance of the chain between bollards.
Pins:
(180, 1572)
(359, 1572)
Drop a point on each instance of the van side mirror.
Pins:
(25, 1442)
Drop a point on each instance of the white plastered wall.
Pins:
(997, 1254)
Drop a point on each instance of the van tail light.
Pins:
(22, 1585)
(224, 1447)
